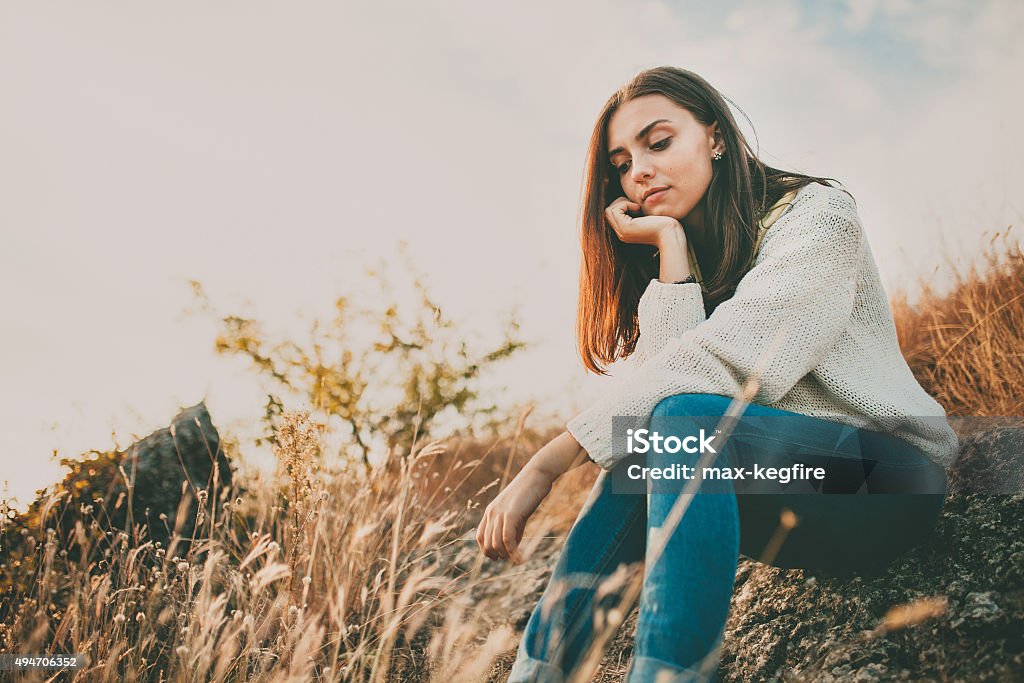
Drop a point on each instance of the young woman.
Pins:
(722, 277)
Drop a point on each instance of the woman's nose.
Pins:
(641, 170)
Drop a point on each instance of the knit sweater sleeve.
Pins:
(664, 313)
(786, 313)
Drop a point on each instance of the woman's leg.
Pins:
(688, 588)
(688, 583)
(608, 533)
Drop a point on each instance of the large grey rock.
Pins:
(150, 478)
(173, 463)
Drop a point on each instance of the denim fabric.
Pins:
(686, 592)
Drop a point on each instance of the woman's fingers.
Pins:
(501, 527)
(483, 537)
(497, 543)
(490, 536)
(508, 533)
(510, 537)
(480, 535)
(617, 216)
(623, 204)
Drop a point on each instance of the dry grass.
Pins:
(308, 575)
(966, 348)
(315, 575)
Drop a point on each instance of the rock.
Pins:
(161, 467)
(990, 461)
(978, 607)
(972, 560)
(171, 462)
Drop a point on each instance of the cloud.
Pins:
(859, 14)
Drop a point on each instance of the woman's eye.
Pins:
(657, 146)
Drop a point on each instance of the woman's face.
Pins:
(661, 155)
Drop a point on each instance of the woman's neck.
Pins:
(693, 226)
(705, 248)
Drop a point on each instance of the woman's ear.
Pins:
(714, 135)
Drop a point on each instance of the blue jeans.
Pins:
(686, 590)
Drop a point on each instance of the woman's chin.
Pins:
(660, 211)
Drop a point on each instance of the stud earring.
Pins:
(717, 156)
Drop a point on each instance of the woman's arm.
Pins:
(674, 263)
(560, 455)
(501, 528)
(667, 310)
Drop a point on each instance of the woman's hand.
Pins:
(652, 230)
(501, 529)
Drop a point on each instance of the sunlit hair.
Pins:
(613, 274)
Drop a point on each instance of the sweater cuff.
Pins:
(593, 430)
(594, 434)
(668, 310)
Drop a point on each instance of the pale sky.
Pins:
(265, 149)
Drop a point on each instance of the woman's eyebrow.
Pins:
(639, 136)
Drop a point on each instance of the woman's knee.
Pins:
(692, 404)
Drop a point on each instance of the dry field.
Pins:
(328, 575)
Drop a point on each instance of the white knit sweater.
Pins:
(814, 294)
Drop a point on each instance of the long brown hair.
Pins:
(613, 274)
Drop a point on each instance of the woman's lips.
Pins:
(655, 196)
